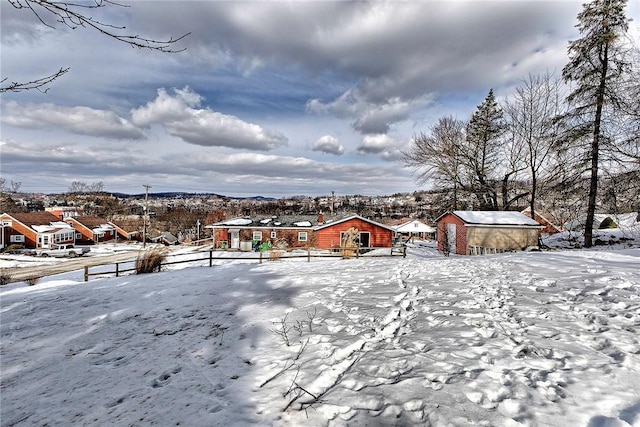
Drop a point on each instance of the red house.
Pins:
(91, 229)
(371, 234)
(298, 231)
(34, 230)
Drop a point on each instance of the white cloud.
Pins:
(166, 108)
(203, 126)
(77, 120)
(328, 144)
(375, 144)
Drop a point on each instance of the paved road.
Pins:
(19, 274)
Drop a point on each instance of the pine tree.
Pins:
(597, 67)
(484, 133)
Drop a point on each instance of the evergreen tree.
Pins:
(597, 68)
(484, 133)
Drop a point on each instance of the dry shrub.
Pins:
(31, 281)
(150, 261)
(5, 278)
(275, 255)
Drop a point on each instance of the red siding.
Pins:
(329, 237)
(461, 233)
(16, 228)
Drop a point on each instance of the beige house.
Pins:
(481, 232)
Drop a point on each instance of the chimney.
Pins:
(320, 218)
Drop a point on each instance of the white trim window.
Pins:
(64, 236)
(274, 234)
(16, 238)
(257, 235)
(303, 236)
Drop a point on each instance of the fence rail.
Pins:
(340, 253)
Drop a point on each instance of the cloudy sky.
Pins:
(269, 98)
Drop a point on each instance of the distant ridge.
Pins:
(185, 195)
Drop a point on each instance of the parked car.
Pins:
(61, 251)
(23, 251)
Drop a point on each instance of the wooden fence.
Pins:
(270, 255)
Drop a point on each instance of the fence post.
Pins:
(260, 262)
(86, 273)
(308, 254)
(404, 251)
(210, 257)
(117, 269)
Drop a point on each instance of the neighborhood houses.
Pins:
(251, 225)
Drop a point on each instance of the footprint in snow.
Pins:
(165, 378)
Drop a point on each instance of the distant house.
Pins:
(625, 221)
(478, 232)
(34, 230)
(298, 231)
(64, 212)
(549, 226)
(415, 228)
(91, 229)
(166, 239)
(128, 229)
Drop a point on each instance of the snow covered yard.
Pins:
(538, 338)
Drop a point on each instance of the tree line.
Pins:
(554, 138)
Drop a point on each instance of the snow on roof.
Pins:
(495, 218)
(414, 226)
(302, 224)
(237, 221)
(54, 226)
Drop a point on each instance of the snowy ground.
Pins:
(534, 338)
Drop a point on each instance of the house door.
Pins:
(364, 239)
(451, 237)
(235, 239)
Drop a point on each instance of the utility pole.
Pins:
(146, 213)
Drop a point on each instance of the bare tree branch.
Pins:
(74, 16)
(37, 84)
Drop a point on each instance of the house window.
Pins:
(79, 236)
(302, 236)
(273, 234)
(257, 235)
(17, 238)
(63, 236)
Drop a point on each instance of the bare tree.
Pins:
(436, 157)
(471, 158)
(531, 114)
(15, 186)
(76, 15)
